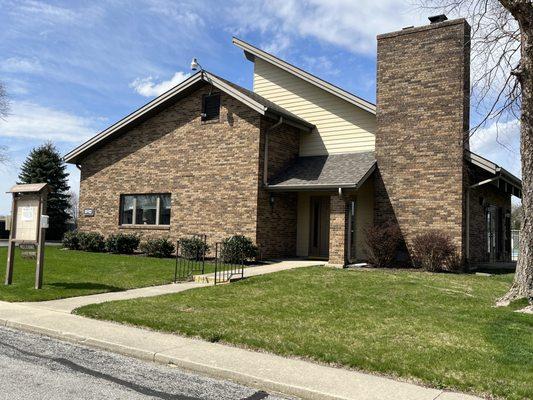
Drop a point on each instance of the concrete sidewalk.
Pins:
(260, 370)
(69, 304)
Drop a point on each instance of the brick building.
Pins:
(302, 166)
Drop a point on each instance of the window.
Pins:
(211, 107)
(145, 209)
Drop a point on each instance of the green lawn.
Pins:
(69, 273)
(437, 329)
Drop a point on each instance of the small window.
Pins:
(145, 209)
(211, 107)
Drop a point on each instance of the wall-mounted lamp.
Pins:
(195, 65)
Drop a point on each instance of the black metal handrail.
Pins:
(186, 268)
(226, 271)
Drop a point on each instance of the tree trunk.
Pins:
(522, 11)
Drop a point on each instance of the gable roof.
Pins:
(326, 172)
(251, 52)
(254, 101)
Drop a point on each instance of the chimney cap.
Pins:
(437, 18)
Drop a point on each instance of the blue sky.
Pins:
(73, 68)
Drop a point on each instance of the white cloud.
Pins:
(33, 121)
(350, 24)
(148, 88)
(48, 12)
(20, 65)
(500, 143)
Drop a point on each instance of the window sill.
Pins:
(152, 227)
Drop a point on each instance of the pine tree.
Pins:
(44, 164)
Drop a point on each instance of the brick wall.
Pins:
(480, 199)
(422, 120)
(337, 231)
(210, 169)
(276, 220)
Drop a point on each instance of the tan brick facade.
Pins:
(480, 199)
(422, 124)
(213, 172)
(337, 231)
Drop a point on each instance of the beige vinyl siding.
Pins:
(342, 127)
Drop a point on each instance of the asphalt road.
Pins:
(38, 367)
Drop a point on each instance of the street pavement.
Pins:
(38, 367)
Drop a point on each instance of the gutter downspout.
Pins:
(265, 158)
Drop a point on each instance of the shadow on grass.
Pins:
(86, 286)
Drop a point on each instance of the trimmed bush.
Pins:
(161, 248)
(238, 248)
(193, 248)
(122, 243)
(91, 241)
(71, 240)
(383, 243)
(434, 251)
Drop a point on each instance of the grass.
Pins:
(435, 329)
(69, 273)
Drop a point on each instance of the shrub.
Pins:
(161, 248)
(383, 243)
(435, 251)
(71, 240)
(193, 248)
(122, 243)
(237, 248)
(90, 241)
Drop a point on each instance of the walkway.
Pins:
(68, 305)
(260, 370)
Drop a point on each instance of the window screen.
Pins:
(211, 107)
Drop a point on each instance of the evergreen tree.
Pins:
(44, 164)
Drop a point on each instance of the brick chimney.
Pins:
(423, 88)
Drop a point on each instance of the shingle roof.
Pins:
(261, 100)
(334, 170)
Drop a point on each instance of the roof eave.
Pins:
(251, 52)
(496, 170)
(74, 155)
(318, 186)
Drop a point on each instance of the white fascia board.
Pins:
(133, 116)
(251, 52)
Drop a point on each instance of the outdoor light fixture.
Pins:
(195, 65)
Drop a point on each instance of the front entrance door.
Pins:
(319, 227)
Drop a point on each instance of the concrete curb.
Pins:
(218, 373)
(213, 372)
(223, 372)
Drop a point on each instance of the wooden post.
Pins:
(40, 246)
(11, 244)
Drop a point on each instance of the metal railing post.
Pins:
(177, 255)
(216, 261)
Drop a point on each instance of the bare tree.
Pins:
(74, 207)
(502, 63)
(4, 102)
(4, 110)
